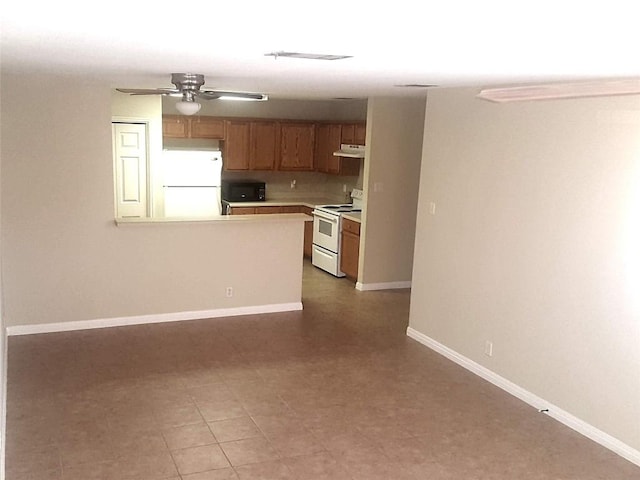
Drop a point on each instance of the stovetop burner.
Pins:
(342, 208)
(338, 208)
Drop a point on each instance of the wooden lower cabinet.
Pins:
(350, 249)
(308, 226)
(308, 232)
(242, 211)
(292, 209)
(268, 210)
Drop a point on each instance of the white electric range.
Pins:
(327, 224)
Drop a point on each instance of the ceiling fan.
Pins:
(188, 86)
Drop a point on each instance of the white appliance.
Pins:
(191, 183)
(350, 151)
(327, 224)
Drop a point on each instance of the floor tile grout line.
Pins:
(235, 381)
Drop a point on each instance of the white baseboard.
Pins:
(382, 286)
(558, 414)
(142, 319)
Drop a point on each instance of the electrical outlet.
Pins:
(488, 348)
(344, 188)
(432, 208)
(293, 184)
(229, 291)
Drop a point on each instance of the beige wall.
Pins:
(64, 259)
(394, 145)
(3, 344)
(535, 247)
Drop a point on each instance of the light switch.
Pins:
(432, 208)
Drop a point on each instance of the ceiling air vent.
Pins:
(308, 56)
(416, 85)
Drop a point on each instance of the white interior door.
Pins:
(130, 157)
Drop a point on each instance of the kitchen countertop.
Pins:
(310, 202)
(355, 216)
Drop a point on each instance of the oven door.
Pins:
(326, 230)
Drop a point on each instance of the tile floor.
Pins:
(334, 392)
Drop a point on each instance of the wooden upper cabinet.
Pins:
(335, 138)
(175, 126)
(328, 138)
(348, 134)
(236, 145)
(179, 126)
(321, 148)
(207, 127)
(273, 144)
(263, 151)
(360, 134)
(250, 145)
(354, 133)
(296, 146)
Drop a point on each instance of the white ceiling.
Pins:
(138, 44)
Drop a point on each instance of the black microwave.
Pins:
(243, 191)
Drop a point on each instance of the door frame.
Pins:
(149, 181)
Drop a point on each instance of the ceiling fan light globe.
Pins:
(188, 108)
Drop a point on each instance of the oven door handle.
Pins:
(325, 216)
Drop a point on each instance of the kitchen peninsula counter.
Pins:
(220, 219)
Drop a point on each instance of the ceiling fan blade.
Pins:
(208, 95)
(149, 91)
(215, 94)
(188, 86)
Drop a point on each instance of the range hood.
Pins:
(350, 151)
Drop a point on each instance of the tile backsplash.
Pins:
(307, 184)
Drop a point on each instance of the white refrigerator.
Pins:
(191, 183)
